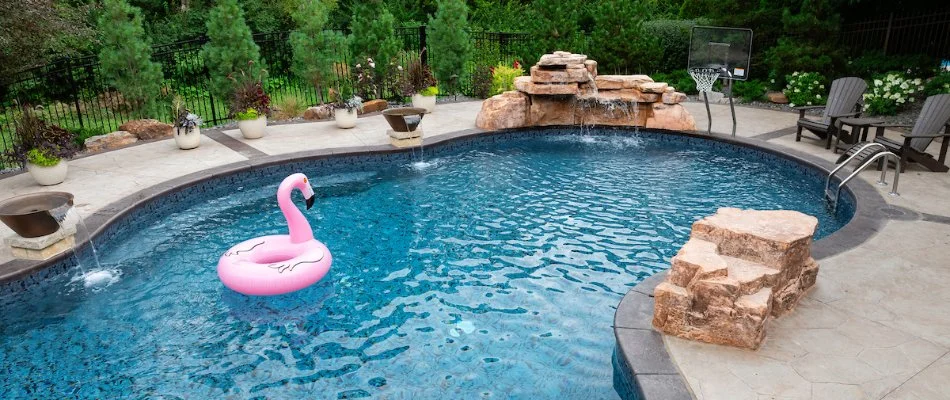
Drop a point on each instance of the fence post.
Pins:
(887, 33)
(214, 115)
(424, 55)
(72, 83)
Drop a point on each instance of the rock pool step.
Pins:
(739, 269)
(779, 239)
(699, 259)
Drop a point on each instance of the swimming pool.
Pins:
(492, 270)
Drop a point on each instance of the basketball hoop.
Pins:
(704, 77)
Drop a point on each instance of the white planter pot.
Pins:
(345, 119)
(188, 140)
(47, 176)
(426, 102)
(253, 128)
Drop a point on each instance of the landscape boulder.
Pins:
(148, 129)
(110, 141)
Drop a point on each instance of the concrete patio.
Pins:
(877, 326)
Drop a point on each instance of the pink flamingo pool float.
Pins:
(278, 264)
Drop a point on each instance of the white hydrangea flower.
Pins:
(877, 82)
(809, 103)
(818, 96)
(797, 91)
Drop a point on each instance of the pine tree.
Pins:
(230, 49)
(315, 48)
(373, 35)
(126, 57)
(449, 42)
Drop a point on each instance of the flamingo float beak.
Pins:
(308, 194)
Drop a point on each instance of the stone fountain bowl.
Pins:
(36, 214)
(404, 119)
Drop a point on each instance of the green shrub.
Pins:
(81, 134)
(230, 48)
(939, 84)
(790, 55)
(482, 81)
(553, 25)
(805, 89)
(679, 79)
(125, 57)
(430, 91)
(315, 48)
(449, 41)
(503, 78)
(889, 93)
(290, 107)
(620, 43)
(751, 90)
(42, 158)
(673, 39)
(373, 38)
(874, 63)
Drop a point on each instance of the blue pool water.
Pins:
(492, 272)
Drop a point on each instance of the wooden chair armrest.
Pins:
(892, 125)
(850, 114)
(802, 109)
(907, 135)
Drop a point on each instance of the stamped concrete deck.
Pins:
(877, 326)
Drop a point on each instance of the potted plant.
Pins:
(250, 106)
(419, 83)
(187, 125)
(346, 109)
(42, 147)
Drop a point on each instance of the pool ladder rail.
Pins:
(866, 154)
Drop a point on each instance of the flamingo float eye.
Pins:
(304, 180)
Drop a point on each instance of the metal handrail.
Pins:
(897, 175)
(845, 163)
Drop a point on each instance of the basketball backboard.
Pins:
(722, 49)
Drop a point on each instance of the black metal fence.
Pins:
(72, 93)
(900, 34)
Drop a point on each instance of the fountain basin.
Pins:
(404, 119)
(36, 214)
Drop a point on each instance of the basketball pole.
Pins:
(708, 114)
(727, 82)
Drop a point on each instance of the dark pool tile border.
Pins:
(643, 364)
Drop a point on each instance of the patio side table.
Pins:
(859, 131)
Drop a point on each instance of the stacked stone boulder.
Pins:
(565, 89)
(739, 269)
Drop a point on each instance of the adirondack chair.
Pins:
(843, 101)
(934, 116)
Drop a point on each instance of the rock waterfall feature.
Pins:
(565, 89)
